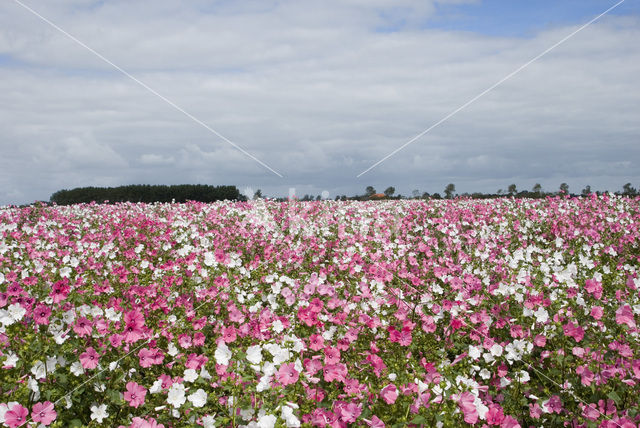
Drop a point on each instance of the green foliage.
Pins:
(146, 193)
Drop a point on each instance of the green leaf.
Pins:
(615, 397)
(419, 419)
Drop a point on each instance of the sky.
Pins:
(308, 95)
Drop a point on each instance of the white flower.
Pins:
(69, 316)
(542, 315)
(222, 354)
(204, 374)
(263, 385)
(267, 421)
(278, 327)
(198, 398)
(16, 311)
(112, 315)
(99, 413)
(11, 360)
(5, 319)
(392, 376)
(496, 350)
(485, 374)
(156, 387)
(190, 375)
(289, 417)
(523, 376)
(209, 259)
(76, 368)
(208, 421)
(474, 352)
(173, 351)
(176, 396)
(38, 370)
(246, 414)
(254, 354)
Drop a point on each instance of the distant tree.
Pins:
(415, 193)
(449, 190)
(425, 195)
(512, 189)
(257, 194)
(319, 198)
(370, 190)
(389, 191)
(628, 190)
(564, 188)
(500, 191)
(436, 196)
(586, 191)
(537, 189)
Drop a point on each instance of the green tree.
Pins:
(537, 189)
(564, 188)
(628, 190)
(512, 189)
(449, 190)
(257, 194)
(370, 190)
(586, 191)
(389, 191)
(415, 193)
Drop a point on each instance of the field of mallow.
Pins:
(506, 313)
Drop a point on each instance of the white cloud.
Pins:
(315, 91)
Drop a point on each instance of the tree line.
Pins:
(146, 193)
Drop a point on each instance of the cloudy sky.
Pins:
(318, 91)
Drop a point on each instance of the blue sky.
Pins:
(319, 91)
(522, 18)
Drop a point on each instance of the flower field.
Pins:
(489, 313)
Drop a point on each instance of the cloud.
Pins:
(318, 91)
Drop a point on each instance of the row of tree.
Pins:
(512, 190)
(146, 193)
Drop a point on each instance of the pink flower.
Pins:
(540, 340)
(591, 412)
(465, 402)
(593, 287)
(624, 315)
(331, 355)
(389, 394)
(135, 394)
(89, 358)
(147, 357)
(375, 422)
(586, 375)
(229, 334)
(335, 372)
(16, 417)
(184, 340)
(41, 314)
(535, 411)
(43, 413)
(402, 337)
(597, 312)
(350, 412)
(83, 327)
(495, 415)
(138, 422)
(316, 342)
(287, 374)
(510, 422)
(134, 322)
(574, 330)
